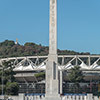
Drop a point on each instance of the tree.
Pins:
(8, 73)
(40, 76)
(9, 84)
(75, 74)
(7, 43)
(12, 88)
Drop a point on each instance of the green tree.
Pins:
(76, 75)
(40, 76)
(7, 73)
(7, 43)
(12, 88)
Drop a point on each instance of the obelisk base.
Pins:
(53, 97)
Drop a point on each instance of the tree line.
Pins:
(8, 48)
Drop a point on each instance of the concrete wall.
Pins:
(19, 97)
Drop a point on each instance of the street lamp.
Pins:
(2, 80)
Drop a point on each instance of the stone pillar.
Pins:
(73, 97)
(77, 97)
(96, 98)
(89, 96)
(70, 97)
(81, 97)
(85, 97)
(21, 96)
(52, 86)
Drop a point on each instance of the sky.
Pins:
(28, 20)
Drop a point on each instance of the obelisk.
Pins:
(52, 86)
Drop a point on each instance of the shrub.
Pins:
(12, 88)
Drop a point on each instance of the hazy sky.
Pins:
(28, 20)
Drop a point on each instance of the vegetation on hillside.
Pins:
(10, 49)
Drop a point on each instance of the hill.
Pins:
(8, 48)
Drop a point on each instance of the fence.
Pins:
(42, 97)
(91, 88)
(65, 97)
(67, 88)
(80, 97)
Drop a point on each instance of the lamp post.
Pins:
(2, 81)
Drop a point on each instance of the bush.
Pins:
(40, 76)
(12, 88)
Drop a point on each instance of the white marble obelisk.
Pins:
(52, 82)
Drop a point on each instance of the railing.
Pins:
(65, 97)
(42, 97)
(80, 97)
